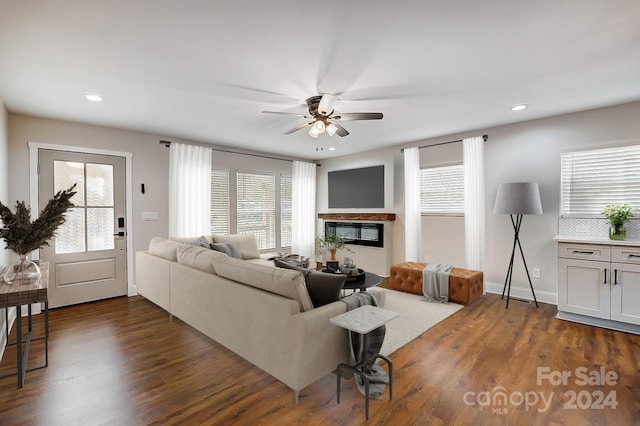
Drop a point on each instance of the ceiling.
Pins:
(204, 70)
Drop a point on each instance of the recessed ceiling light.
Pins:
(332, 148)
(518, 107)
(92, 98)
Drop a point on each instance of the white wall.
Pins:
(4, 198)
(527, 151)
(150, 164)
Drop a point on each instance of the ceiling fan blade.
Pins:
(359, 116)
(285, 113)
(342, 132)
(325, 107)
(295, 129)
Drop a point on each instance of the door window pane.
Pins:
(100, 229)
(99, 185)
(65, 174)
(70, 236)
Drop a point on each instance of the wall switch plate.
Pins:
(535, 272)
(149, 216)
(426, 258)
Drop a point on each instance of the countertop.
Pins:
(595, 240)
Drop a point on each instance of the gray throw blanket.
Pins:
(435, 282)
(377, 376)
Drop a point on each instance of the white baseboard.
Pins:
(599, 322)
(523, 293)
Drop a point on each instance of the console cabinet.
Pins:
(599, 281)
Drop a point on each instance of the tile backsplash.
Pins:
(595, 227)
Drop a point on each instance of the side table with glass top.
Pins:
(364, 320)
(19, 294)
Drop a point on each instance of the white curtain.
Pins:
(303, 209)
(473, 157)
(189, 190)
(412, 213)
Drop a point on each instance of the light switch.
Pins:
(149, 216)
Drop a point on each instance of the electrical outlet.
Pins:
(535, 272)
(426, 258)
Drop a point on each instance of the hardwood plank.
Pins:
(122, 361)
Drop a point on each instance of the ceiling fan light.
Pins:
(331, 129)
(314, 132)
(319, 125)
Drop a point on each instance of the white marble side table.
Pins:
(364, 320)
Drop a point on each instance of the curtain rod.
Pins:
(484, 137)
(168, 144)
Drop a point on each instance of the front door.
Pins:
(87, 257)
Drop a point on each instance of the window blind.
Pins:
(592, 179)
(256, 207)
(219, 201)
(442, 190)
(285, 211)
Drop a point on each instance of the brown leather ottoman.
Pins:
(465, 285)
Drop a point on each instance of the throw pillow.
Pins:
(229, 248)
(200, 242)
(283, 264)
(323, 288)
(246, 243)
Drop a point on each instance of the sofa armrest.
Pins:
(152, 279)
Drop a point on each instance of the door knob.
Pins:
(119, 234)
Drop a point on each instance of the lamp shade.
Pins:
(518, 198)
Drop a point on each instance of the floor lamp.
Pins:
(517, 199)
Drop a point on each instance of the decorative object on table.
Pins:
(517, 199)
(333, 266)
(617, 215)
(332, 242)
(23, 236)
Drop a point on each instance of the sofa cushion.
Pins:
(198, 257)
(164, 248)
(246, 244)
(285, 282)
(323, 288)
(229, 248)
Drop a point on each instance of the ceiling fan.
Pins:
(323, 118)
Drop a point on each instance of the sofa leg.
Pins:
(170, 316)
(297, 396)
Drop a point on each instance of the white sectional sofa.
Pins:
(260, 312)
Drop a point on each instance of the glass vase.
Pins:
(617, 232)
(23, 271)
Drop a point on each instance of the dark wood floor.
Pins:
(122, 362)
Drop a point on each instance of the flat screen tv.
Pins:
(357, 188)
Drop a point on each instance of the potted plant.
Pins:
(331, 243)
(617, 215)
(23, 236)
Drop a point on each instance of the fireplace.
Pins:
(358, 233)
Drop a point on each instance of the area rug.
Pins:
(416, 317)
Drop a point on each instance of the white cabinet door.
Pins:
(625, 293)
(584, 287)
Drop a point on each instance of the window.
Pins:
(442, 190)
(285, 211)
(219, 201)
(256, 201)
(592, 179)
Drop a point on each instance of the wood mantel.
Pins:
(358, 216)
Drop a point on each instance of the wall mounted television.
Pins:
(356, 188)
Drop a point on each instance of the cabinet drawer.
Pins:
(584, 251)
(625, 254)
